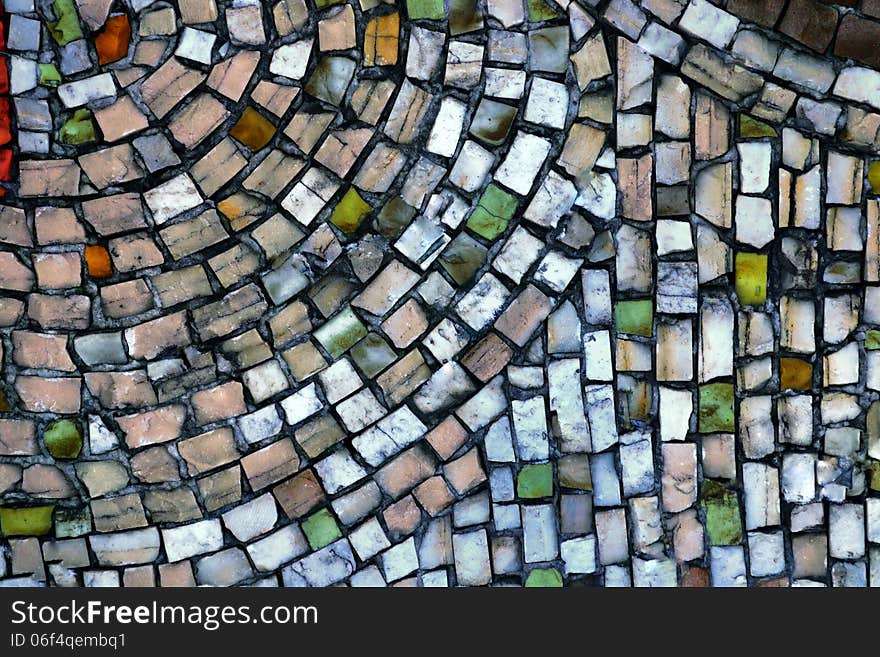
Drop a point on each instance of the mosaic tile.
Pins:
(439, 292)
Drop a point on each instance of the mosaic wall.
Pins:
(440, 293)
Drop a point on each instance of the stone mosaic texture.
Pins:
(440, 293)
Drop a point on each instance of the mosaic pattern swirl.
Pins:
(440, 293)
